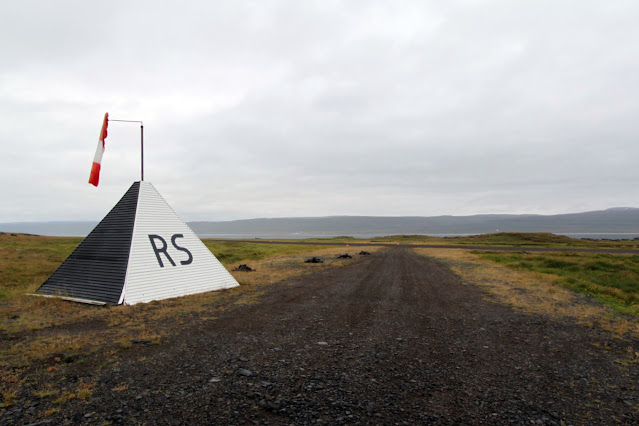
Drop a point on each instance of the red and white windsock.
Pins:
(94, 179)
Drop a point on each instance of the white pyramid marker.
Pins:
(141, 251)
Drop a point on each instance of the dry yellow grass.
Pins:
(529, 291)
(120, 387)
(10, 383)
(81, 390)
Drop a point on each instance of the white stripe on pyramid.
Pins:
(159, 235)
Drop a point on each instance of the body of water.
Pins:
(601, 236)
(592, 236)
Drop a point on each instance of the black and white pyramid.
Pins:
(141, 251)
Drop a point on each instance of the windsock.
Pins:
(94, 178)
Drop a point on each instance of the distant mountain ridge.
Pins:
(613, 220)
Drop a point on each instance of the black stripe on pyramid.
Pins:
(96, 269)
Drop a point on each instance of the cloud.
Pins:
(286, 108)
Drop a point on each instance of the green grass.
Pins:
(611, 278)
(27, 260)
(507, 239)
(230, 253)
(408, 239)
(516, 239)
(538, 239)
(522, 239)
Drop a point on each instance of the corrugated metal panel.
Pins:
(167, 258)
(97, 267)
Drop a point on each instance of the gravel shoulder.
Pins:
(395, 338)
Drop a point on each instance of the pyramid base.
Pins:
(68, 299)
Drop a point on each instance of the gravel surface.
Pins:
(393, 338)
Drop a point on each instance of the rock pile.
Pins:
(244, 267)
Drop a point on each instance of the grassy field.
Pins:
(26, 261)
(500, 239)
(510, 239)
(230, 252)
(610, 278)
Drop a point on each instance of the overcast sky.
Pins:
(317, 108)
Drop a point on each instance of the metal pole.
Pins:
(141, 143)
(142, 151)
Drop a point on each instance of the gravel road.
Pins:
(393, 338)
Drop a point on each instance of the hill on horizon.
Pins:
(613, 220)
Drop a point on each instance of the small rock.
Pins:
(275, 405)
(322, 343)
(245, 372)
(244, 267)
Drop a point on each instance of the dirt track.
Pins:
(392, 339)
